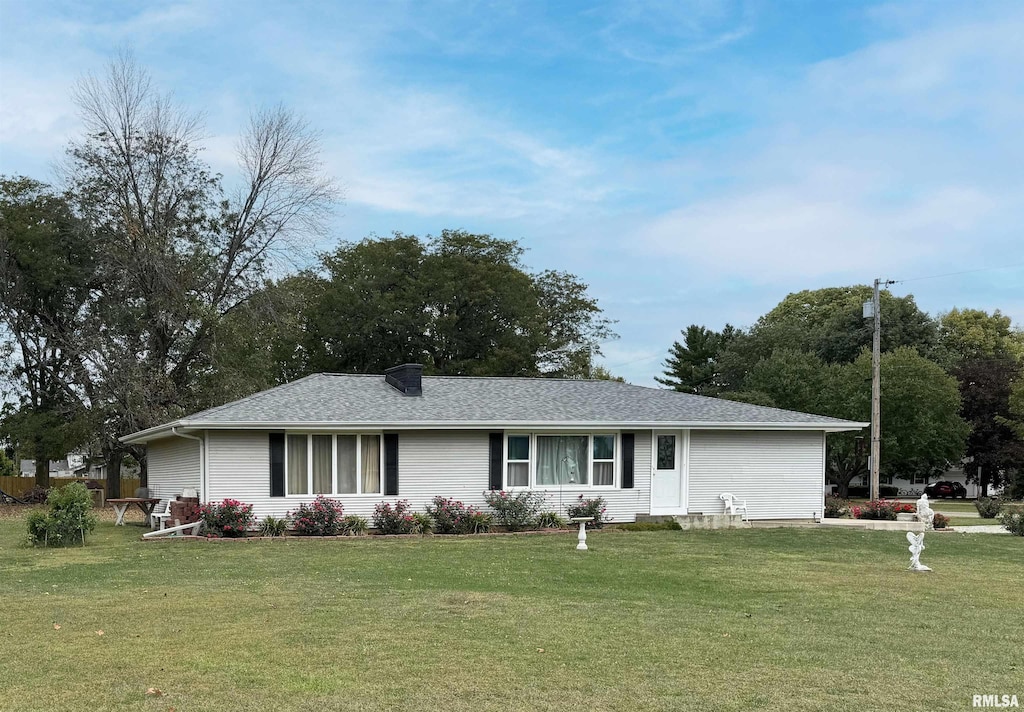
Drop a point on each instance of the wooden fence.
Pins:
(17, 486)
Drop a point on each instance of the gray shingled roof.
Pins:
(346, 399)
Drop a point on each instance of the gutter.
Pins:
(161, 430)
(202, 460)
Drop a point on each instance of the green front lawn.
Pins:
(762, 619)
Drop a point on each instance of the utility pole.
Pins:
(876, 391)
(876, 387)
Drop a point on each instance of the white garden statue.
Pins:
(925, 513)
(916, 547)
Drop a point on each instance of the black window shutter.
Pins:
(391, 463)
(497, 456)
(277, 464)
(627, 445)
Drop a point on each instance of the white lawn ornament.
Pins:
(582, 538)
(925, 513)
(916, 547)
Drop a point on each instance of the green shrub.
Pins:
(515, 510)
(940, 521)
(670, 525)
(273, 526)
(68, 519)
(449, 516)
(321, 517)
(230, 518)
(836, 507)
(422, 523)
(550, 520)
(353, 525)
(394, 518)
(595, 508)
(480, 522)
(876, 509)
(987, 507)
(1013, 520)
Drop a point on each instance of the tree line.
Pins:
(952, 386)
(143, 286)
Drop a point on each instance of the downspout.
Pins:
(202, 461)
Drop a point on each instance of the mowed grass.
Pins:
(762, 619)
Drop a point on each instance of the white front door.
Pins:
(667, 472)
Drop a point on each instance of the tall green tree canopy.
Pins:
(830, 324)
(995, 449)
(973, 333)
(692, 366)
(47, 273)
(459, 303)
(922, 431)
(811, 353)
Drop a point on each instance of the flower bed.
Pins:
(881, 509)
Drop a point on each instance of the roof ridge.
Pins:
(490, 378)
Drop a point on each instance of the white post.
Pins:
(582, 546)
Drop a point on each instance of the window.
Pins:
(666, 452)
(604, 460)
(297, 463)
(560, 460)
(518, 461)
(333, 464)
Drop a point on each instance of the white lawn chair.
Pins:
(159, 519)
(732, 506)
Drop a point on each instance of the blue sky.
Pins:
(693, 161)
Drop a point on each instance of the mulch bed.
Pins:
(296, 537)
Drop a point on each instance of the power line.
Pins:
(636, 360)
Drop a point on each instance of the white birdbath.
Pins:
(582, 546)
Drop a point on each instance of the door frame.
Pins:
(683, 461)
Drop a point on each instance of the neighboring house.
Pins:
(363, 439)
(914, 486)
(72, 466)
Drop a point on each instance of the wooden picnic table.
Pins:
(121, 505)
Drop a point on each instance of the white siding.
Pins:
(173, 465)
(430, 463)
(779, 474)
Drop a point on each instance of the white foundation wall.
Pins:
(173, 466)
(780, 474)
(430, 463)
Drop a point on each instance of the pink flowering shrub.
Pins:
(450, 516)
(590, 508)
(515, 510)
(322, 517)
(395, 518)
(229, 518)
(880, 509)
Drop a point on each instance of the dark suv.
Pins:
(944, 489)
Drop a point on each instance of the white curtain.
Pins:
(347, 464)
(298, 466)
(321, 464)
(562, 459)
(371, 464)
